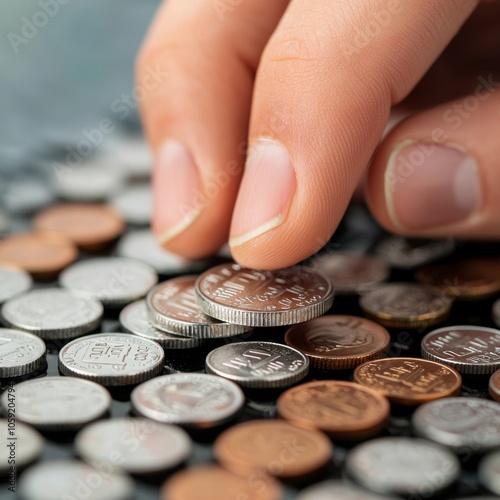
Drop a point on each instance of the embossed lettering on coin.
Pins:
(20, 353)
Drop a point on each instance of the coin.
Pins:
(258, 364)
(330, 490)
(173, 308)
(91, 227)
(468, 278)
(134, 319)
(20, 353)
(112, 359)
(133, 445)
(489, 472)
(406, 305)
(496, 312)
(402, 466)
(494, 386)
(351, 274)
(210, 482)
(235, 294)
(471, 350)
(13, 282)
(409, 381)
(468, 425)
(272, 447)
(114, 281)
(69, 479)
(337, 342)
(343, 410)
(190, 399)
(52, 313)
(135, 204)
(42, 255)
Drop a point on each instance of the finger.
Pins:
(196, 71)
(324, 89)
(438, 172)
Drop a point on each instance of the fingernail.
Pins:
(175, 185)
(430, 185)
(266, 192)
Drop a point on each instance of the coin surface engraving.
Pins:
(20, 353)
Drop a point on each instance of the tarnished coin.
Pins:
(496, 312)
(210, 482)
(134, 319)
(350, 273)
(343, 410)
(468, 425)
(406, 305)
(21, 444)
(43, 255)
(468, 278)
(471, 350)
(133, 445)
(489, 472)
(68, 479)
(402, 466)
(337, 490)
(112, 359)
(190, 399)
(115, 281)
(260, 445)
(258, 364)
(173, 308)
(13, 282)
(52, 313)
(494, 386)
(135, 204)
(409, 381)
(235, 294)
(337, 342)
(91, 227)
(20, 353)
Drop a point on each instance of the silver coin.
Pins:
(59, 403)
(20, 353)
(350, 273)
(112, 359)
(72, 479)
(142, 245)
(329, 490)
(467, 425)
(134, 319)
(489, 472)
(129, 154)
(173, 308)
(115, 281)
(496, 312)
(404, 466)
(472, 350)
(13, 282)
(190, 399)
(26, 196)
(52, 313)
(258, 364)
(134, 445)
(135, 204)
(406, 253)
(242, 296)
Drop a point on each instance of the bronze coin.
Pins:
(465, 279)
(406, 305)
(337, 342)
(344, 410)
(43, 255)
(92, 227)
(494, 386)
(210, 482)
(272, 447)
(409, 381)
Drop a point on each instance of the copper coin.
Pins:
(272, 447)
(494, 386)
(91, 227)
(210, 482)
(409, 381)
(343, 410)
(43, 255)
(467, 279)
(406, 305)
(337, 342)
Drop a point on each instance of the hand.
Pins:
(310, 86)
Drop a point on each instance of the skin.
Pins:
(321, 79)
